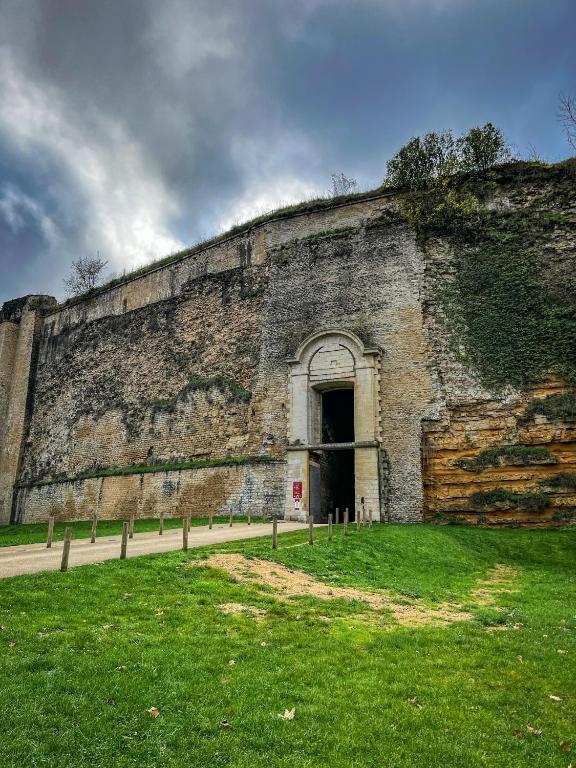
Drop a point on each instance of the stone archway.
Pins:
(326, 362)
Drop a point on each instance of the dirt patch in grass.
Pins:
(287, 583)
(499, 580)
(234, 609)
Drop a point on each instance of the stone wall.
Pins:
(468, 429)
(237, 490)
(19, 329)
(169, 382)
(189, 361)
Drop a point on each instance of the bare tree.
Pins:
(85, 274)
(342, 185)
(567, 117)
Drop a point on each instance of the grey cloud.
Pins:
(163, 122)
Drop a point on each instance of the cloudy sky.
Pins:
(134, 128)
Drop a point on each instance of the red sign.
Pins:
(297, 489)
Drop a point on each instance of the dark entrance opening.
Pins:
(337, 472)
(335, 467)
(338, 416)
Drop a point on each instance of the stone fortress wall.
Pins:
(184, 370)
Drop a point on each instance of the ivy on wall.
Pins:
(508, 320)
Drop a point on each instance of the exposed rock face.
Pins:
(188, 363)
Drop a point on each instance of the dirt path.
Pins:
(32, 558)
(288, 583)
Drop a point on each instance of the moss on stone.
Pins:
(529, 501)
(558, 407)
(507, 454)
(142, 469)
(562, 480)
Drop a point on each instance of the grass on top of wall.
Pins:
(144, 469)
(85, 655)
(35, 533)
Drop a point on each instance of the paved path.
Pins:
(31, 558)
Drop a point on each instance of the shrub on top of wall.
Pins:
(507, 454)
(532, 502)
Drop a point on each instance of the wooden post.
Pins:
(330, 527)
(50, 532)
(310, 529)
(185, 529)
(369, 518)
(124, 545)
(66, 550)
(337, 520)
(230, 523)
(249, 517)
(346, 516)
(209, 521)
(274, 532)
(357, 519)
(94, 526)
(131, 529)
(161, 526)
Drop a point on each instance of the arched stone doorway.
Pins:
(333, 427)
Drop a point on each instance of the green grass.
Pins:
(83, 655)
(35, 533)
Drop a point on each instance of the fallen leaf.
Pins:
(263, 644)
(565, 746)
(223, 680)
(126, 595)
(414, 701)
(518, 733)
(520, 659)
(535, 731)
(107, 626)
(288, 714)
(153, 711)
(11, 644)
(560, 650)
(111, 702)
(231, 663)
(160, 613)
(121, 668)
(555, 698)
(42, 634)
(224, 724)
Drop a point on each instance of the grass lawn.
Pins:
(35, 533)
(85, 654)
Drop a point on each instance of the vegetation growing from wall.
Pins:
(508, 320)
(143, 469)
(507, 454)
(529, 501)
(558, 407)
(563, 480)
(564, 515)
(236, 391)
